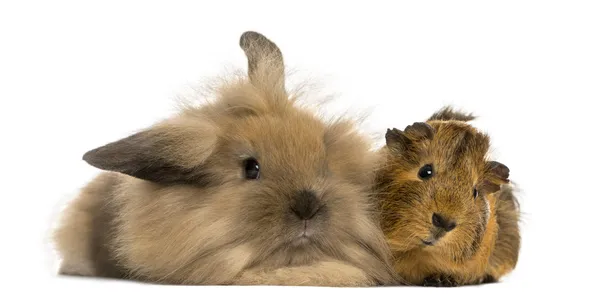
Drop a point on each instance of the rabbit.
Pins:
(249, 189)
(449, 213)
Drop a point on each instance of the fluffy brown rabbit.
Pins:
(448, 212)
(249, 189)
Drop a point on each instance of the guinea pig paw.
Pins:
(488, 279)
(439, 280)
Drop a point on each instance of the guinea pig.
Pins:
(248, 189)
(448, 212)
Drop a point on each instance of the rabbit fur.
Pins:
(249, 189)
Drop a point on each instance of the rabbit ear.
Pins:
(265, 62)
(496, 174)
(166, 154)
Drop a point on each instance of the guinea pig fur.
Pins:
(248, 189)
(450, 215)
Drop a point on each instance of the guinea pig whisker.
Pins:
(413, 235)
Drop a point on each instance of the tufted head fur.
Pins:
(249, 181)
(434, 186)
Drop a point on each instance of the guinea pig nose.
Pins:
(442, 222)
(305, 204)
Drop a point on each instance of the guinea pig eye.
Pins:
(426, 172)
(475, 193)
(251, 168)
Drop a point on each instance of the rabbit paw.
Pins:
(440, 280)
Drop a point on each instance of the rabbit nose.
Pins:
(443, 223)
(305, 204)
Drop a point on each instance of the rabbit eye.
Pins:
(426, 172)
(475, 193)
(251, 168)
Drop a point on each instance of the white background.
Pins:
(77, 74)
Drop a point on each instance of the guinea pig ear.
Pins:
(401, 141)
(396, 141)
(265, 62)
(496, 174)
(166, 154)
(419, 131)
